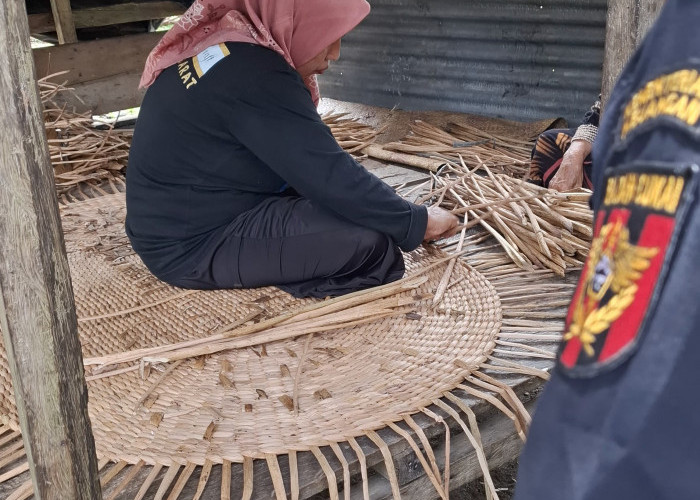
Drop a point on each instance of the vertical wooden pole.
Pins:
(37, 312)
(628, 21)
(63, 20)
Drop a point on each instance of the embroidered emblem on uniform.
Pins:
(633, 234)
(616, 267)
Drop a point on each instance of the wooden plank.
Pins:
(109, 15)
(627, 23)
(102, 96)
(104, 74)
(63, 20)
(41, 23)
(37, 312)
(96, 60)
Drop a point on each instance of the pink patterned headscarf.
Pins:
(298, 30)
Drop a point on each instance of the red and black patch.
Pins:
(635, 232)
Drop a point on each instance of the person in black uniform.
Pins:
(619, 417)
(235, 181)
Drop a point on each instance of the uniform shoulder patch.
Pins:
(635, 232)
(673, 96)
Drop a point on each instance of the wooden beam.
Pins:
(104, 74)
(109, 14)
(97, 59)
(106, 95)
(63, 20)
(37, 312)
(627, 23)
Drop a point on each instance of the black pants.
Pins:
(302, 248)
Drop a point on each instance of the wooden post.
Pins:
(628, 21)
(37, 312)
(63, 20)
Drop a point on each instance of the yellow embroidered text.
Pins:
(185, 72)
(658, 192)
(676, 95)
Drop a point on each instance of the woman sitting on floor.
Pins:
(235, 181)
(561, 158)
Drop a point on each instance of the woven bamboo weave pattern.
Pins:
(239, 403)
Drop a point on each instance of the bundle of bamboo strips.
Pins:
(352, 135)
(80, 152)
(474, 147)
(537, 227)
(342, 312)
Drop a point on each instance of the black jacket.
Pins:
(208, 148)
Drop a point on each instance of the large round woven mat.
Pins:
(236, 403)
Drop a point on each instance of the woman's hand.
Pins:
(441, 224)
(570, 173)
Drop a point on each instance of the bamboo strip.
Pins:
(139, 308)
(148, 482)
(8, 450)
(426, 445)
(23, 492)
(271, 335)
(517, 368)
(523, 354)
(10, 437)
(170, 475)
(346, 469)
(498, 404)
(226, 481)
(507, 394)
(481, 456)
(297, 376)
(525, 347)
(203, 479)
(444, 281)
(12, 473)
(473, 426)
(388, 461)
(323, 308)
(380, 153)
(446, 473)
(363, 466)
(293, 475)
(18, 454)
(276, 475)
(133, 471)
(328, 471)
(247, 478)
(429, 472)
(111, 473)
(182, 481)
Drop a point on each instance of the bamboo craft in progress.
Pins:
(481, 180)
(537, 227)
(446, 318)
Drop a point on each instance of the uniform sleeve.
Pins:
(277, 121)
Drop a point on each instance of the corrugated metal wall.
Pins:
(518, 59)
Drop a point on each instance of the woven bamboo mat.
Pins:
(237, 403)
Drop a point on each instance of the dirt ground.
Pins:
(503, 479)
